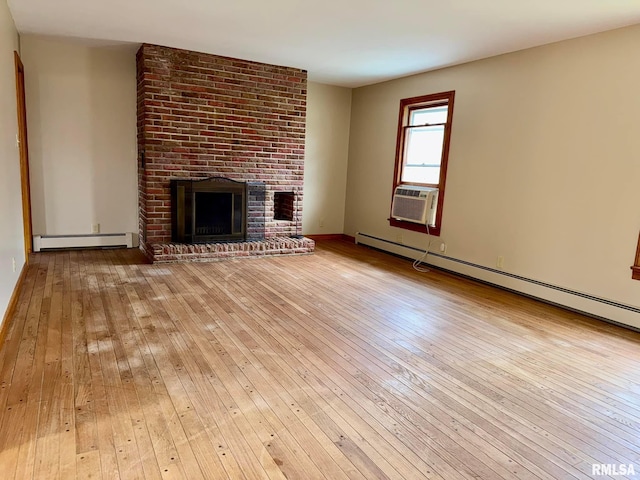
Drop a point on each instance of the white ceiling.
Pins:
(340, 42)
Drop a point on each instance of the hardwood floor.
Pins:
(342, 364)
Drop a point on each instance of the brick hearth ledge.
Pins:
(206, 252)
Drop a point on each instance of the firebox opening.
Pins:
(283, 206)
(214, 213)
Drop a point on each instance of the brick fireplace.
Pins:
(202, 116)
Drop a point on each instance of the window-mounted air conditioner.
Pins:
(415, 204)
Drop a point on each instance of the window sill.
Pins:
(414, 227)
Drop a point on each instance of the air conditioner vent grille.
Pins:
(409, 208)
(408, 193)
(415, 204)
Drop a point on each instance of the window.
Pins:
(424, 132)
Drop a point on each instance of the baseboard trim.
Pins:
(627, 316)
(348, 238)
(13, 303)
(324, 237)
(331, 236)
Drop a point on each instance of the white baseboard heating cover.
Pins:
(46, 242)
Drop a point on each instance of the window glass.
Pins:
(429, 115)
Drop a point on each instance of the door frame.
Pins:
(25, 183)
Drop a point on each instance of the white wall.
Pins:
(81, 109)
(543, 167)
(326, 151)
(11, 238)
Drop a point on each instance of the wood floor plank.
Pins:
(89, 465)
(284, 314)
(27, 444)
(235, 436)
(225, 347)
(389, 347)
(394, 368)
(233, 378)
(47, 463)
(174, 454)
(106, 442)
(11, 347)
(419, 443)
(25, 363)
(11, 433)
(293, 387)
(344, 364)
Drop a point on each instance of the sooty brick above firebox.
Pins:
(202, 115)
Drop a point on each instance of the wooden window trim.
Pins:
(635, 269)
(406, 106)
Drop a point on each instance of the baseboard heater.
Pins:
(601, 308)
(92, 240)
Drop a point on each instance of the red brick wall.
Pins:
(202, 115)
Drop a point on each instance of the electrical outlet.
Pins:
(17, 141)
(321, 223)
(95, 228)
(13, 264)
(500, 262)
(399, 238)
(443, 248)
